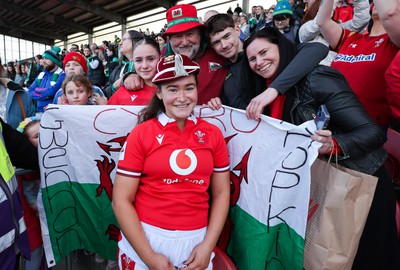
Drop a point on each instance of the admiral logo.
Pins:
(352, 58)
(379, 42)
(133, 97)
(176, 13)
(214, 66)
(183, 161)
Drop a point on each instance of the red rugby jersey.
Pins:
(174, 168)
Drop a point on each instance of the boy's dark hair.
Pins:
(218, 23)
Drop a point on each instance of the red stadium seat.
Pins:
(221, 260)
(392, 146)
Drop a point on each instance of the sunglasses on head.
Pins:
(281, 17)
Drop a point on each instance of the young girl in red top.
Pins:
(167, 165)
(146, 55)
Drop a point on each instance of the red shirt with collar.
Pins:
(174, 168)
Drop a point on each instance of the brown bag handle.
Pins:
(20, 105)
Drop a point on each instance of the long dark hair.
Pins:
(154, 107)
(147, 41)
(287, 49)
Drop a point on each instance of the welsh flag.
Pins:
(270, 181)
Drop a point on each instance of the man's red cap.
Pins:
(181, 18)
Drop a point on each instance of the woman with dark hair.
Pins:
(164, 175)
(11, 73)
(111, 56)
(351, 133)
(20, 75)
(146, 55)
(115, 80)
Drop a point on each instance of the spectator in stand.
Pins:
(96, 68)
(112, 60)
(284, 21)
(238, 9)
(224, 40)
(32, 73)
(75, 64)
(244, 27)
(356, 138)
(309, 30)
(260, 18)
(229, 11)
(146, 54)
(38, 62)
(343, 12)
(87, 52)
(269, 18)
(11, 73)
(12, 111)
(15, 150)
(209, 14)
(185, 37)
(48, 81)
(253, 12)
(117, 40)
(298, 10)
(235, 18)
(161, 42)
(19, 75)
(388, 13)
(74, 48)
(163, 225)
(363, 59)
(29, 185)
(115, 80)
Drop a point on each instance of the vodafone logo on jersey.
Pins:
(183, 161)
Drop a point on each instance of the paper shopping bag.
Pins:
(340, 200)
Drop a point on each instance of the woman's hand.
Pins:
(324, 137)
(257, 104)
(199, 258)
(215, 103)
(160, 262)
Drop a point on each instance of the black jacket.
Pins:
(96, 76)
(22, 153)
(117, 73)
(360, 139)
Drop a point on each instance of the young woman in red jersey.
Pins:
(146, 55)
(167, 165)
